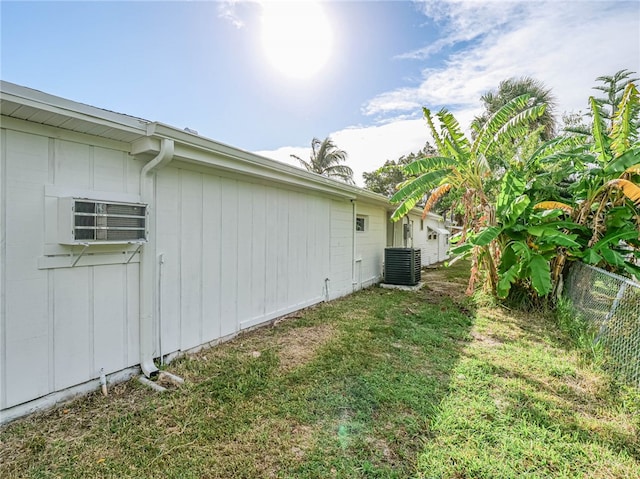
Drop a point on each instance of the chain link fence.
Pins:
(611, 303)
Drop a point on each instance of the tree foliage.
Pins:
(612, 86)
(326, 159)
(598, 224)
(512, 88)
(572, 197)
(385, 179)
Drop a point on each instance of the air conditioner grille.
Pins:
(402, 266)
(101, 221)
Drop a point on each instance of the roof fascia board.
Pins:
(71, 109)
(161, 130)
(191, 148)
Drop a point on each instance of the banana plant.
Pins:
(606, 195)
(526, 239)
(462, 166)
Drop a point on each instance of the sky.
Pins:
(268, 76)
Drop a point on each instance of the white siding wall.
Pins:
(59, 325)
(431, 250)
(228, 254)
(236, 254)
(342, 236)
(370, 245)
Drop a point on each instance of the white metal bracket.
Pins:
(86, 245)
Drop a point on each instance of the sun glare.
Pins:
(297, 37)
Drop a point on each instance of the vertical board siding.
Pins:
(258, 236)
(229, 257)
(25, 355)
(370, 245)
(60, 325)
(191, 259)
(73, 165)
(242, 276)
(247, 253)
(211, 236)
(72, 329)
(110, 335)
(341, 228)
(168, 225)
(109, 170)
(234, 254)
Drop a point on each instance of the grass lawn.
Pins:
(382, 384)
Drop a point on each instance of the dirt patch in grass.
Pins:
(299, 346)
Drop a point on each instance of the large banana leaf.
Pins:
(497, 120)
(427, 164)
(507, 279)
(598, 131)
(419, 185)
(628, 159)
(486, 236)
(540, 274)
(624, 130)
(434, 131)
(513, 185)
(515, 210)
(613, 237)
(458, 141)
(517, 125)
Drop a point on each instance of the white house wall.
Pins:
(431, 250)
(229, 252)
(341, 249)
(370, 245)
(60, 325)
(235, 254)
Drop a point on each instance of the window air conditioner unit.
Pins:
(82, 221)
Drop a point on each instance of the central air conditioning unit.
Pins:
(402, 266)
(85, 221)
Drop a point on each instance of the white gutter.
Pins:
(147, 263)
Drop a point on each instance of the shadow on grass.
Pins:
(346, 389)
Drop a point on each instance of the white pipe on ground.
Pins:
(147, 342)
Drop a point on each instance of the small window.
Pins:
(361, 223)
(432, 234)
(421, 225)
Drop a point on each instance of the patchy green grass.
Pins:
(382, 384)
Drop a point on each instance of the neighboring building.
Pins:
(124, 241)
(429, 235)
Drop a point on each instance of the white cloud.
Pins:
(227, 10)
(367, 147)
(566, 45)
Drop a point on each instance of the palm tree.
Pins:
(513, 88)
(325, 159)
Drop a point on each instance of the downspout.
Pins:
(147, 342)
(353, 245)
